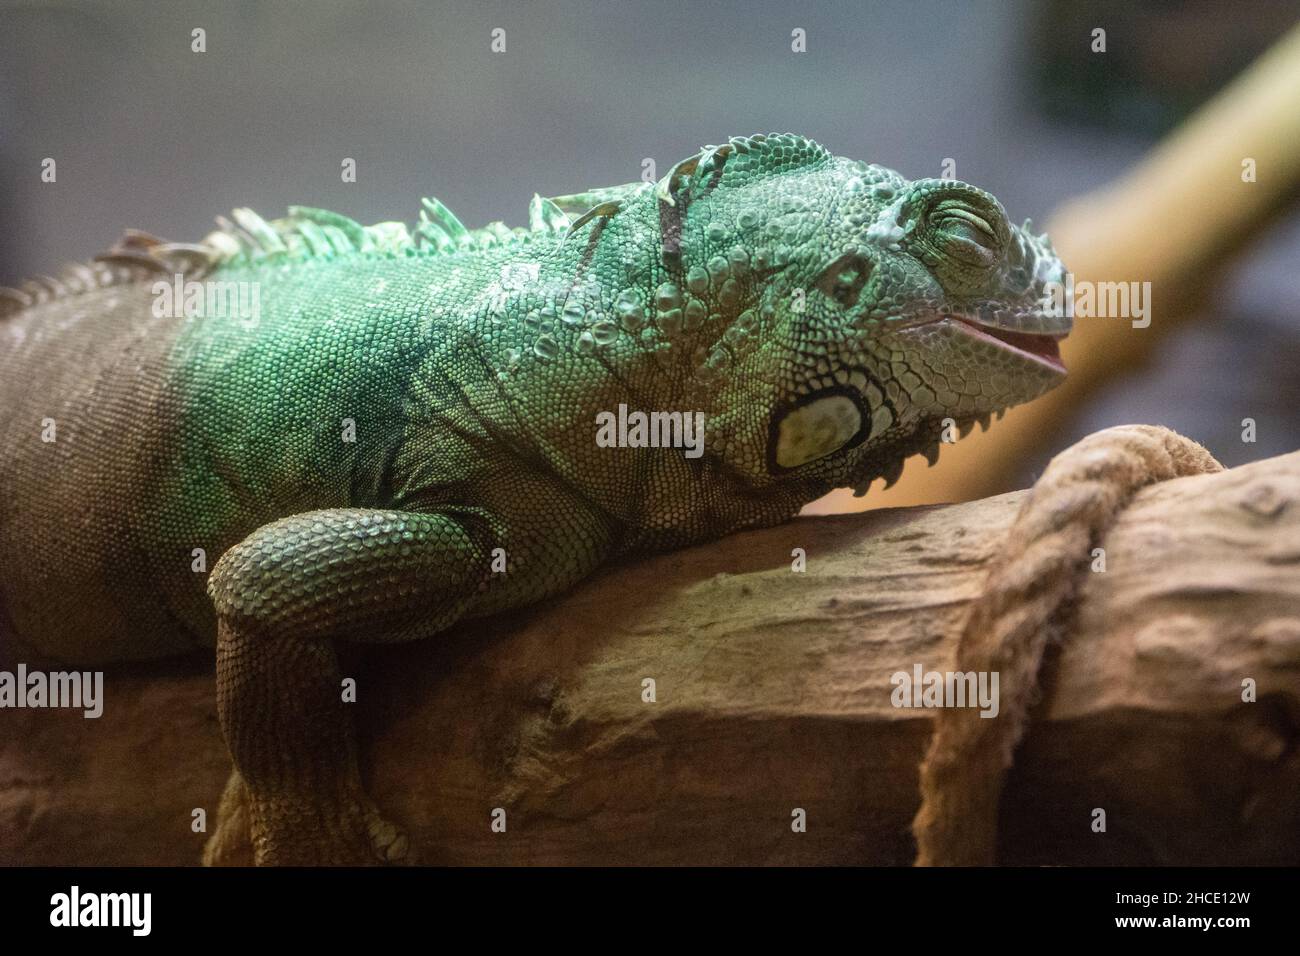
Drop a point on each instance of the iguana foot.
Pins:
(339, 841)
(390, 843)
(298, 834)
(231, 843)
(348, 830)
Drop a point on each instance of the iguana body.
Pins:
(408, 415)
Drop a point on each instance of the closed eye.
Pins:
(965, 233)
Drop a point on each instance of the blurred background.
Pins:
(148, 134)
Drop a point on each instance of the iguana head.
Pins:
(880, 310)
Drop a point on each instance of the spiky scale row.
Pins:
(318, 233)
(247, 238)
(545, 215)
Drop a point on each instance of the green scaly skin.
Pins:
(825, 315)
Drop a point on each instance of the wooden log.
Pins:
(772, 694)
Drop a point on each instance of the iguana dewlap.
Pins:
(305, 432)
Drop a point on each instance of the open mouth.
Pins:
(1044, 349)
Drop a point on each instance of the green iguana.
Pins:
(380, 432)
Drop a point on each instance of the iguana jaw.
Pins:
(1040, 347)
(1039, 351)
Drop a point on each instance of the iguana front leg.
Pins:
(283, 596)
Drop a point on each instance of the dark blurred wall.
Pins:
(148, 134)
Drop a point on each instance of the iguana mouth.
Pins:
(1043, 348)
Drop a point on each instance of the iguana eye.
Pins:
(965, 234)
(844, 278)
